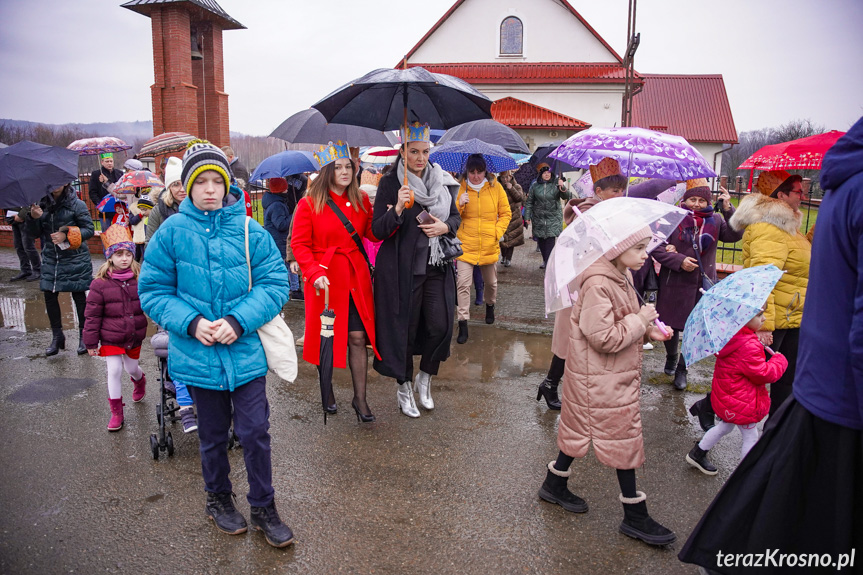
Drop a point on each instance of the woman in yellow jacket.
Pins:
(485, 215)
(771, 222)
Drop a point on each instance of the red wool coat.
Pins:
(739, 394)
(322, 246)
(113, 315)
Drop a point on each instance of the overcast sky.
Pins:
(91, 61)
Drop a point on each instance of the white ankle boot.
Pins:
(405, 395)
(423, 387)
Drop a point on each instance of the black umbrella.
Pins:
(325, 365)
(310, 127)
(490, 132)
(28, 171)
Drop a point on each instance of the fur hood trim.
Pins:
(756, 208)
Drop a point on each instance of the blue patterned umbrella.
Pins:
(453, 156)
(724, 309)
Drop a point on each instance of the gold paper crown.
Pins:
(607, 167)
(116, 234)
(416, 132)
(332, 152)
(697, 183)
(769, 181)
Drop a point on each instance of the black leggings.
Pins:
(785, 341)
(625, 477)
(52, 306)
(555, 370)
(545, 247)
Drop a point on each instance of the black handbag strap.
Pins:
(351, 230)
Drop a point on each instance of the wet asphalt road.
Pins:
(451, 492)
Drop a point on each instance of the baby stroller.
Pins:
(167, 408)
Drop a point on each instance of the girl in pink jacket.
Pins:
(739, 396)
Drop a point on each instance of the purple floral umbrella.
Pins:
(101, 145)
(641, 153)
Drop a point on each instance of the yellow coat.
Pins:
(772, 236)
(484, 219)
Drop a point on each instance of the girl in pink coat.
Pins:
(739, 396)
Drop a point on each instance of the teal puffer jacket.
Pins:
(196, 265)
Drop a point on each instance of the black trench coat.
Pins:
(393, 282)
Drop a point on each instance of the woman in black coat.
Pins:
(66, 264)
(414, 287)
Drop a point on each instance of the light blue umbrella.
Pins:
(724, 309)
(453, 156)
(285, 164)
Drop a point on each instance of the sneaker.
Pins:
(301, 341)
(170, 388)
(220, 508)
(267, 519)
(188, 419)
(647, 346)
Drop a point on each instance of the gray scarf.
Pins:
(431, 193)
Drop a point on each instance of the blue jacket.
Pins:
(829, 380)
(277, 218)
(196, 265)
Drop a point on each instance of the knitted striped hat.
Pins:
(201, 156)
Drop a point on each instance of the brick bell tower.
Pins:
(189, 90)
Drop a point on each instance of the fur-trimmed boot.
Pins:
(554, 490)
(638, 524)
(116, 421)
(140, 388)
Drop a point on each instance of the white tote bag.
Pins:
(276, 336)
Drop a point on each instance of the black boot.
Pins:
(680, 377)
(489, 314)
(703, 410)
(697, 458)
(220, 508)
(638, 524)
(267, 519)
(19, 277)
(82, 349)
(554, 490)
(58, 342)
(462, 331)
(548, 390)
(670, 364)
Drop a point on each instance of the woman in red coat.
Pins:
(329, 256)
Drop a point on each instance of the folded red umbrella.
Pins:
(803, 154)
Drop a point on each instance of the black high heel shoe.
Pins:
(330, 410)
(548, 390)
(370, 418)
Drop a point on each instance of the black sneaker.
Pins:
(189, 419)
(697, 458)
(220, 508)
(267, 519)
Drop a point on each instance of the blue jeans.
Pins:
(251, 413)
(293, 281)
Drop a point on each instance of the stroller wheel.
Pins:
(169, 443)
(154, 446)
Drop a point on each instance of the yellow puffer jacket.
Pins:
(484, 219)
(772, 236)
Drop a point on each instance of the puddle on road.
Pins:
(28, 314)
(51, 389)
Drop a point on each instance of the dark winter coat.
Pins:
(514, 235)
(277, 218)
(402, 241)
(678, 289)
(114, 315)
(64, 270)
(829, 377)
(543, 210)
(740, 378)
(96, 190)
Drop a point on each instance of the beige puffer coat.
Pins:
(602, 379)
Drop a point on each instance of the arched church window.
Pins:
(511, 36)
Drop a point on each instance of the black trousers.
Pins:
(428, 302)
(785, 341)
(52, 306)
(25, 246)
(545, 247)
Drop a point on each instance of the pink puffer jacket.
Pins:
(739, 378)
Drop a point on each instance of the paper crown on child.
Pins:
(769, 181)
(697, 188)
(332, 152)
(416, 132)
(117, 238)
(606, 167)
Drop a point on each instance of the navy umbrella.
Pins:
(28, 171)
(488, 131)
(540, 156)
(285, 164)
(310, 127)
(453, 156)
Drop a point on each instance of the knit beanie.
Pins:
(201, 156)
(642, 234)
(697, 188)
(173, 171)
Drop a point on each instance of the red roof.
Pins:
(537, 73)
(695, 107)
(458, 3)
(521, 115)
